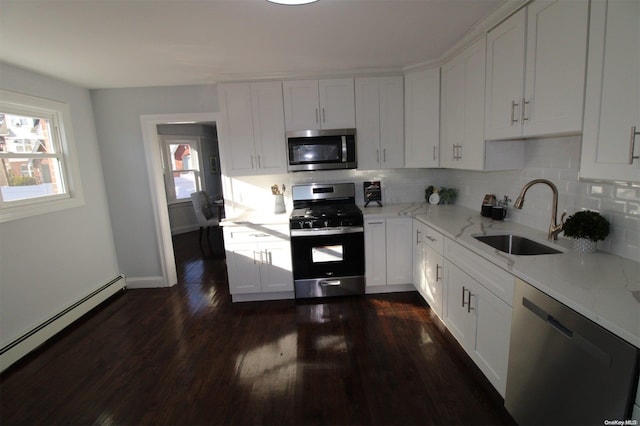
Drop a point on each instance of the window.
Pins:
(182, 167)
(38, 171)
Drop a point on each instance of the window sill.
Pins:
(28, 210)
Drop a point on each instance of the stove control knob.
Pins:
(309, 223)
(326, 223)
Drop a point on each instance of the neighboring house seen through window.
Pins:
(38, 170)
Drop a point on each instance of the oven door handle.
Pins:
(329, 283)
(328, 231)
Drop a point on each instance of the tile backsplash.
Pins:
(556, 159)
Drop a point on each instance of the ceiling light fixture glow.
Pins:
(292, 2)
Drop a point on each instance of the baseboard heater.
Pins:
(29, 341)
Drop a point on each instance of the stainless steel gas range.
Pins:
(327, 241)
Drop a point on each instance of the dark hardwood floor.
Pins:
(186, 355)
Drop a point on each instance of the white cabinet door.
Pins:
(337, 103)
(243, 268)
(392, 122)
(422, 118)
(268, 124)
(236, 129)
(368, 122)
(612, 100)
(375, 252)
(319, 104)
(505, 78)
(301, 105)
(276, 273)
(419, 259)
(493, 331)
(380, 122)
(556, 60)
(434, 276)
(399, 235)
(462, 108)
(457, 316)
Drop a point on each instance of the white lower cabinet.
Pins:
(388, 251)
(481, 323)
(258, 261)
(428, 266)
(478, 303)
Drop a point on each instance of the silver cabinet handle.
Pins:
(317, 119)
(324, 117)
(327, 283)
(384, 155)
(259, 165)
(464, 290)
(434, 153)
(417, 235)
(469, 308)
(375, 223)
(514, 117)
(524, 110)
(251, 161)
(438, 268)
(632, 145)
(430, 238)
(377, 156)
(254, 257)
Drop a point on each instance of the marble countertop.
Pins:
(603, 287)
(257, 217)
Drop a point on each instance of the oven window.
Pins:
(325, 254)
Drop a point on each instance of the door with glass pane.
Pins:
(182, 166)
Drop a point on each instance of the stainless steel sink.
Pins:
(514, 244)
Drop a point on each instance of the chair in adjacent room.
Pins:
(207, 214)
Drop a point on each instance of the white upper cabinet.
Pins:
(535, 71)
(462, 109)
(422, 118)
(505, 78)
(319, 104)
(612, 100)
(268, 127)
(380, 122)
(252, 128)
(556, 59)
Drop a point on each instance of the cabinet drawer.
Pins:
(255, 233)
(434, 239)
(499, 282)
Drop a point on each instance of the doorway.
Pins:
(155, 174)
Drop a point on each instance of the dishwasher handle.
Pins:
(545, 316)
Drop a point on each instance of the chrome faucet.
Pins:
(554, 227)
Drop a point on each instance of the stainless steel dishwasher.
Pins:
(563, 368)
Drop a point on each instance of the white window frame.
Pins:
(165, 142)
(62, 131)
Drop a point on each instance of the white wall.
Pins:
(556, 159)
(50, 261)
(117, 114)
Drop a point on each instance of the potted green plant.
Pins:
(586, 228)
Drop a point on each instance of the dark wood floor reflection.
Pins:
(186, 355)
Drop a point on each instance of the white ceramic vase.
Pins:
(583, 245)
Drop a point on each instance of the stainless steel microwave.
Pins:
(321, 149)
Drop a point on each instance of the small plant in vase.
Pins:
(586, 228)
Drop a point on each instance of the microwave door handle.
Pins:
(344, 149)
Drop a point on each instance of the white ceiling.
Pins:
(136, 43)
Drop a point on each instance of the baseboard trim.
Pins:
(37, 336)
(146, 282)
